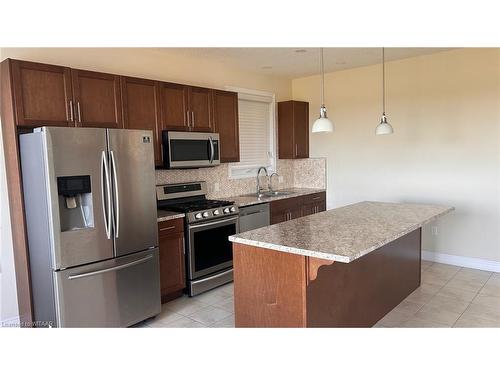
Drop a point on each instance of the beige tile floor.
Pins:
(449, 296)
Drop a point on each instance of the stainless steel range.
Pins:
(209, 223)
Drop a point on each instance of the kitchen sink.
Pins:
(267, 194)
(277, 193)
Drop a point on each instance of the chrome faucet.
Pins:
(270, 185)
(259, 189)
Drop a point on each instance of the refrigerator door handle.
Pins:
(106, 203)
(115, 268)
(117, 196)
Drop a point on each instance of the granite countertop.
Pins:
(168, 215)
(243, 200)
(345, 233)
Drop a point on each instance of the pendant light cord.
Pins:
(383, 81)
(322, 78)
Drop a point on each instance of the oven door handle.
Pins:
(235, 219)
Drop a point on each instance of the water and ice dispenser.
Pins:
(75, 203)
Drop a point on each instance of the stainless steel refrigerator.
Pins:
(90, 207)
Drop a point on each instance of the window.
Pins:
(257, 134)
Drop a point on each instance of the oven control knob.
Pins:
(198, 215)
(233, 209)
(205, 214)
(226, 210)
(216, 212)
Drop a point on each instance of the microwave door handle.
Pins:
(212, 150)
(105, 194)
(117, 196)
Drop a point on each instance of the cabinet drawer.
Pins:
(315, 197)
(170, 226)
(286, 204)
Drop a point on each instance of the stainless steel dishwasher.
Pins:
(255, 216)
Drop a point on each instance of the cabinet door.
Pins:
(174, 107)
(172, 276)
(225, 106)
(97, 99)
(286, 146)
(141, 109)
(42, 94)
(200, 109)
(301, 129)
(309, 208)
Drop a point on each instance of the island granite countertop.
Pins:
(345, 233)
(247, 200)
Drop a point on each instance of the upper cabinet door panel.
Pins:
(97, 99)
(301, 129)
(174, 107)
(141, 108)
(42, 94)
(226, 124)
(200, 109)
(293, 129)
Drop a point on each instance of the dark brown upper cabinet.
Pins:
(42, 94)
(225, 106)
(141, 108)
(174, 107)
(186, 108)
(293, 130)
(97, 99)
(200, 104)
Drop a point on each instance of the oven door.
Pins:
(209, 249)
(190, 149)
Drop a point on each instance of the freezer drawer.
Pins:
(114, 293)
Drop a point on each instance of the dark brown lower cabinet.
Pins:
(293, 208)
(172, 266)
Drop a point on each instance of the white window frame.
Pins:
(236, 170)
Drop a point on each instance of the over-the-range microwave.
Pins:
(190, 149)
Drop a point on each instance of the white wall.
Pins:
(445, 109)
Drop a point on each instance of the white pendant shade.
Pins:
(384, 127)
(323, 123)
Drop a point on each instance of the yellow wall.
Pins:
(154, 63)
(445, 110)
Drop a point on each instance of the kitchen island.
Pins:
(345, 267)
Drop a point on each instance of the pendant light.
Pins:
(384, 127)
(323, 123)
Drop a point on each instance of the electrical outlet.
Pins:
(434, 230)
(216, 186)
(280, 179)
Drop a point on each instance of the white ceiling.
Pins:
(287, 62)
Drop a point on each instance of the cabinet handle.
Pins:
(192, 116)
(79, 112)
(296, 148)
(189, 120)
(71, 110)
(167, 228)
(316, 198)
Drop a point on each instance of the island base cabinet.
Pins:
(278, 289)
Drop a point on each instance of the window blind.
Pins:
(255, 137)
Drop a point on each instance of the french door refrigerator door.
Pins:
(80, 216)
(115, 293)
(133, 190)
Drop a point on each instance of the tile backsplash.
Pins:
(300, 173)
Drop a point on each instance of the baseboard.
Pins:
(455, 260)
(11, 322)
